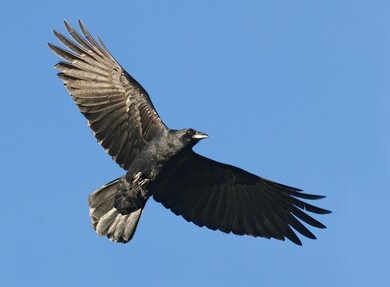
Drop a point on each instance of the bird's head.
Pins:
(190, 137)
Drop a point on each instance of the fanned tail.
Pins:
(106, 219)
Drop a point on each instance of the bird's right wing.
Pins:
(229, 199)
(118, 109)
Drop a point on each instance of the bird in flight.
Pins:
(160, 161)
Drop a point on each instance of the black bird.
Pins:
(160, 161)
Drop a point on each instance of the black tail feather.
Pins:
(106, 219)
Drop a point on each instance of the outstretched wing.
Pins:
(118, 109)
(230, 199)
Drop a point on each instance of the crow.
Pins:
(160, 161)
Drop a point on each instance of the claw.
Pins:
(137, 177)
(144, 182)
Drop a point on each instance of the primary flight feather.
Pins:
(160, 161)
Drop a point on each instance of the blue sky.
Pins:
(294, 91)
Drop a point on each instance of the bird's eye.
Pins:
(190, 132)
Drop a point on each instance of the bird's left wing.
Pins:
(230, 199)
(117, 107)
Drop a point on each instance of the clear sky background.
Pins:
(294, 91)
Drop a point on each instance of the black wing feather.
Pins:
(230, 199)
